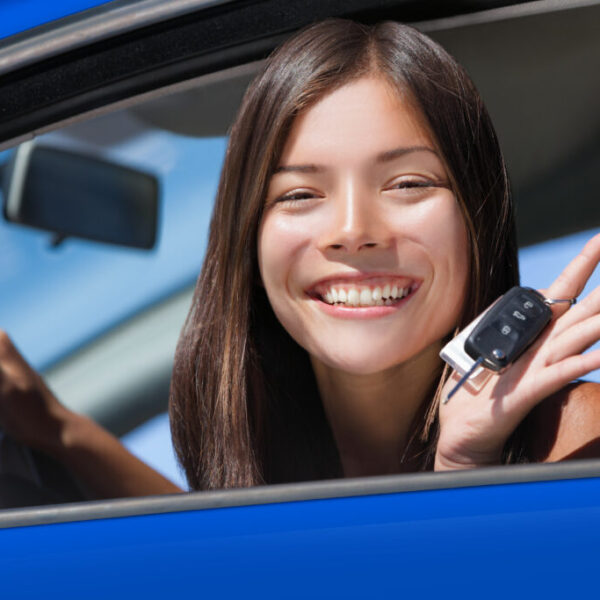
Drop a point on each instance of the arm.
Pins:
(31, 414)
(474, 426)
(103, 464)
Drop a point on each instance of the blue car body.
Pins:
(520, 531)
(503, 540)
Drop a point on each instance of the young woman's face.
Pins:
(362, 248)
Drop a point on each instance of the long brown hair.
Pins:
(244, 406)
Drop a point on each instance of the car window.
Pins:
(69, 308)
(64, 299)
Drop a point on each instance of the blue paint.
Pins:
(20, 15)
(537, 539)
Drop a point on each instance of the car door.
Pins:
(148, 85)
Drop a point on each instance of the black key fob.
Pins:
(508, 328)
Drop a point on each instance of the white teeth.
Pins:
(366, 297)
(353, 297)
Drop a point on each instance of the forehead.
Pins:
(363, 117)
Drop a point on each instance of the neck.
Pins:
(372, 416)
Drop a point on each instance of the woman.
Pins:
(362, 219)
(244, 395)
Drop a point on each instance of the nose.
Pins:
(354, 223)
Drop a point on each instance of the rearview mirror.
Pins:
(74, 195)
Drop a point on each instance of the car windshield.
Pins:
(57, 300)
(61, 297)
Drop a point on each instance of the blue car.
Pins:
(138, 96)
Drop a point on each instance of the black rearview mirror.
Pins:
(73, 195)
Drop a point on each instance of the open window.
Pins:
(101, 321)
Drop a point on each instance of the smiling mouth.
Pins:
(353, 295)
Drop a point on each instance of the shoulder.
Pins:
(566, 425)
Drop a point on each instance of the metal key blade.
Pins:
(462, 380)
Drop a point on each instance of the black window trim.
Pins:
(59, 78)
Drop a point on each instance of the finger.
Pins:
(559, 374)
(11, 361)
(585, 309)
(574, 340)
(547, 382)
(570, 283)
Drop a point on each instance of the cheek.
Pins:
(437, 228)
(285, 265)
(449, 248)
(456, 244)
(281, 243)
(436, 231)
(448, 241)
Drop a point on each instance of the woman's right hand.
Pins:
(29, 412)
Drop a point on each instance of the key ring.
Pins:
(552, 301)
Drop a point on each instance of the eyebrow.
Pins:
(299, 169)
(398, 152)
(386, 156)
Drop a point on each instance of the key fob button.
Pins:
(529, 306)
(490, 340)
(517, 314)
(506, 329)
(515, 323)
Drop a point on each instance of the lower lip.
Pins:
(362, 312)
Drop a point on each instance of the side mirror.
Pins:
(73, 195)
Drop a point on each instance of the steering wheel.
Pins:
(31, 478)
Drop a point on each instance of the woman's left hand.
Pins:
(474, 426)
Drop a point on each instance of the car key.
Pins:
(503, 332)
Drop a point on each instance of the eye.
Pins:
(410, 183)
(296, 198)
(414, 185)
(296, 195)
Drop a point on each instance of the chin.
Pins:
(354, 358)
(358, 362)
